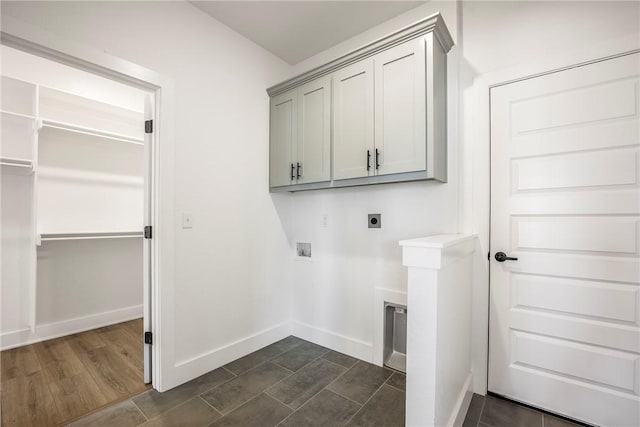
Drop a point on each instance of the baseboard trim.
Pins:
(53, 330)
(193, 367)
(461, 407)
(349, 346)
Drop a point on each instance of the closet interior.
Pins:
(72, 200)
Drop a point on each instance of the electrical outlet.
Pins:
(324, 220)
(303, 250)
(374, 221)
(187, 220)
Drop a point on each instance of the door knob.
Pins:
(502, 257)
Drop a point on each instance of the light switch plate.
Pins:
(187, 220)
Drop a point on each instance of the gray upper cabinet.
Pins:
(375, 115)
(400, 109)
(353, 147)
(313, 162)
(300, 135)
(283, 138)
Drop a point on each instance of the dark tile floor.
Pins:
(289, 383)
(495, 412)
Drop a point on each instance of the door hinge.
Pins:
(489, 256)
(148, 126)
(148, 338)
(148, 232)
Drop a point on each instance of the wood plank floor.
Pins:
(54, 382)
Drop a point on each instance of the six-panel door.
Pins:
(283, 139)
(565, 316)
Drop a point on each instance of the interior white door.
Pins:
(353, 121)
(400, 103)
(283, 139)
(564, 317)
(314, 131)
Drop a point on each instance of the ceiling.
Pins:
(297, 30)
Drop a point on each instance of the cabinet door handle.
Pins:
(292, 175)
(377, 159)
(368, 160)
(298, 171)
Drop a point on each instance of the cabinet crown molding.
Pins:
(431, 24)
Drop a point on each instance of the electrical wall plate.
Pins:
(303, 250)
(374, 221)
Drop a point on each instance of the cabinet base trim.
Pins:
(354, 182)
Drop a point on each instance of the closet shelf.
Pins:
(52, 124)
(91, 235)
(17, 166)
(11, 113)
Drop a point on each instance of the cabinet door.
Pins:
(353, 121)
(314, 131)
(283, 138)
(400, 112)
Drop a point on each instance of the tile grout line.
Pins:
(163, 412)
(370, 397)
(395, 388)
(391, 376)
(342, 374)
(217, 385)
(167, 411)
(345, 397)
(346, 369)
(139, 410)
(234, 375)
(337, 364)
(209, 404)
(292, 374)
(304, 366)
(240, 405)
(312, 397)
(280, 401)
(484, 401)
(321, 390)
(268, 360)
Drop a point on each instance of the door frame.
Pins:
(27, 38)
(476, 185)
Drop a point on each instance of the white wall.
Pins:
(499, 34)
(85, 278)
(232, 268)
(334, 294)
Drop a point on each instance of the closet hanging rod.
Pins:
(91, 235)
(91, 132)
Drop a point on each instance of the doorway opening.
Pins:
(76, 163)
